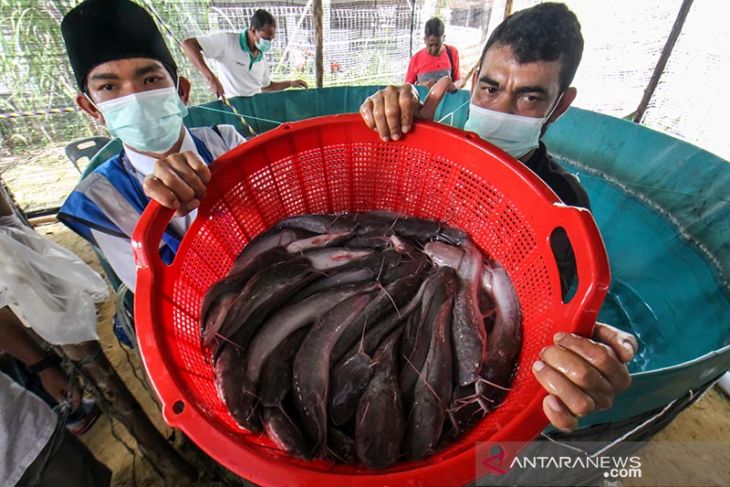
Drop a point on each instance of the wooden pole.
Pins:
(119, 403)
(662, 62)
(413, 20)
(507, 9)
(43, 220)
(317, 15)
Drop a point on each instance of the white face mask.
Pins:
(149, 121)
(515, 134)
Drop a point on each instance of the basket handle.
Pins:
(147, 236)
(591, 262)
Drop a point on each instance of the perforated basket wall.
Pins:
(335, 164)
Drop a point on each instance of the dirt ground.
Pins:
(707, 420)
(47, 177)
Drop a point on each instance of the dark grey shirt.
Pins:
(570, 192)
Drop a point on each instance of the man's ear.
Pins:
(565, 102)
(89, 107)
(474, 79)
(183, 88)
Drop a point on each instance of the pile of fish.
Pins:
(363, 338)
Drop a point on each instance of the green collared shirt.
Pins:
(244, 45)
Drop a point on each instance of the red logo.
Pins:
(494, 464)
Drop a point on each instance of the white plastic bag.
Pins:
(50, 289)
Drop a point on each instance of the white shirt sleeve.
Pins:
(231, 136)
(14, 221)
(26, 426)
(266, 79)
(214, 45)
(118, 252)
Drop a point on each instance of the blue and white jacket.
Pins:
(104, 208)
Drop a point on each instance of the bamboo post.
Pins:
(507, 9)
(119, 403)
(317, 15)
(327, 58)
(662, 62)
(413, 20)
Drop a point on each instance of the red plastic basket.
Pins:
(336, 164)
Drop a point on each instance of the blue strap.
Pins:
(81, 214)
(203, 149)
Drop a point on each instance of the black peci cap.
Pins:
(99, 31)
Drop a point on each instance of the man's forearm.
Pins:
(194, 52)
(277, 86)
(15, 339)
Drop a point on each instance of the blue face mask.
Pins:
(149, 121)
(263, 45)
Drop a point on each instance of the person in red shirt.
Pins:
(436, 60)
